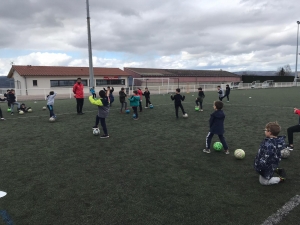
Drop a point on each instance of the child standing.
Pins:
(123, 102)
(103, 110)
(111, 96)
(12, 101)
(134, 103)
(147, 97)
(220, 92)
(140, 93)
(269, 155)
(227, 92)
(177, 100)
(92, 90)
(216, 124)
(7, 98)
(200, 98)
(50, 103)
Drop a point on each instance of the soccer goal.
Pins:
(155, 85)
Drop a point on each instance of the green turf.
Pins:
(150, 171)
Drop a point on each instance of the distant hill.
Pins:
(256, 73)
(6, 82)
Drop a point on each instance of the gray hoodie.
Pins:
(50, 99)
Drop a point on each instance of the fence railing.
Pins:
(65, 93)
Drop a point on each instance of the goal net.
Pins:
(155, 85)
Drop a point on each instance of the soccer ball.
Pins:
(218, 146)
(285, 153)
(96, 131)
(8, 110)
(29, 110)
(134, 116)
(127, 111)
(151, 106)
(185, 115)
(196, 108)
(44, 108)
(51, 119)
(21, 112)
(239, 154)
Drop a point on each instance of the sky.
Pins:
(232, 35)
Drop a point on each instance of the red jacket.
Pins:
(140, 93)
(78, 90)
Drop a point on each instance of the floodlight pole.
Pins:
(91, 71)
(296, 72)
(146, 83)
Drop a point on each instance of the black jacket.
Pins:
(177, 99)
(147, 94)
(122, 96)
(216, 122)
(11, 98)
(227, 92)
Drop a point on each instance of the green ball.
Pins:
(196, 108)
(218, 146)
(8, 110)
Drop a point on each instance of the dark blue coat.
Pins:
(216, 122)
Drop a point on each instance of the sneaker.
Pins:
(146, 107)
(136, 118)
(95, 127)
(227, 101)
(281, 179)
(12, 114)
(226, 152)
(291, 148)
(2, 119)
(206, 150)
(201, 110)
(54, 116)
(104, 136)
(280, 172)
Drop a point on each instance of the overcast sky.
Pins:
(233, 35)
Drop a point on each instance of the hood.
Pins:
(219, 114)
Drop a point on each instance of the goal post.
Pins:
(155, 85)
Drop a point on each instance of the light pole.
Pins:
(91, 71)
(296, 72)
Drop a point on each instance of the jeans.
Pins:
(51, 110)
(94, 95)
(221, 137)
(290, 132)
(12, 104)
(227, 95)
(176, 109)
(103, 124)
(134, 108)
(79, 104)
(123, 104)
(141, 107)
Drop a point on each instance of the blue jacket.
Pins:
(216, 122)
(134, 100)
(269, 156)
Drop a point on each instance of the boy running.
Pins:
(50, 103)
(227, 93)
(177, 98)
(199, 99)
(147, 97)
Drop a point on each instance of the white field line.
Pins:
(284, 211)
(172, 103)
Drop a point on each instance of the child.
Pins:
(292, 130)
(134, 103)
(103, 110)
(7, 99)
(216, 124)
(12, 101)
(92, 90)
(200, 98)
(111, 96)
(178, 98)
(50, 103)
(140, 93)
(220, 92)
(1, 115)
(147, 97)
(122, 97)
(24, 108)
(227, 92)
(269, 155)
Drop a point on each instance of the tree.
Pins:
(284, 71)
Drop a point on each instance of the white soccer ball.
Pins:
(249, 97)
(21, 112)
(44, 108)
(285, 153)
(51, 119)
(185, 115)
(239, 154)
(96, 131)
(29, 110)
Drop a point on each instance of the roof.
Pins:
(147, 72)
(64, 71)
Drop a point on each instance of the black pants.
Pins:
(123, 104)
(290, 132)
(8, 104)
(226, 95)
(199, 102)
(220, 98)
(1, 115)
(79, 104)
(221, 137)
(134, 108)
(94, 95)
(51, 110)
(148, 102)
(176, 109)
(103, 124)
(141, 107)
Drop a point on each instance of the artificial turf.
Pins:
(150, 171)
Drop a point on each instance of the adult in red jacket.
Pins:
(79, 95)
(140, 93)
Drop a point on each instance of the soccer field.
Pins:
(150, 171)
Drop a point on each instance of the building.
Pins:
(39, 80)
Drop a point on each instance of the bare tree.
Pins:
(284, 71)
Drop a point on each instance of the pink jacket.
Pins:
(140, 93)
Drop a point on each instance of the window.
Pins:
(65, 83)
(104, 82)
(34, 82)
